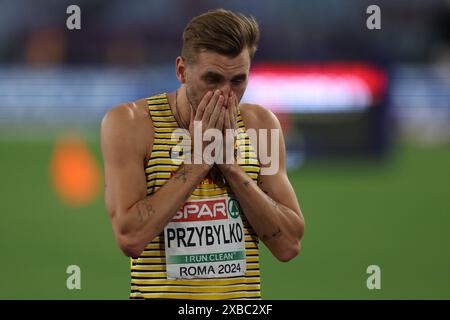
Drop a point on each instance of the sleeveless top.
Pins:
(149, 272)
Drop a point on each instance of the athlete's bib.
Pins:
(205, 239)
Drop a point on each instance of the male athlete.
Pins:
(192, 228)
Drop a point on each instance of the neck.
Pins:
(183, 106)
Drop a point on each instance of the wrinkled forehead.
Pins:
(208, 61)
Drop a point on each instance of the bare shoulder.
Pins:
(128, 123)
(127, 114)
(256, 116)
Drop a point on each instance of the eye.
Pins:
(237, 81)
(212, 80)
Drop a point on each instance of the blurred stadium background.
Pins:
(366, 114)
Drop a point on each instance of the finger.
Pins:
(215, 114)
(210, 107)
(226, 139)
(232, 121)
(235, 112)
(203, 104)
(221, 121)
(232, 117)
(230, 140)
(226, 120)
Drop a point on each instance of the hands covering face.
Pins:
(212, 113)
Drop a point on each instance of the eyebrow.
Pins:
(211, 74)
(241, 76)
(215, 75)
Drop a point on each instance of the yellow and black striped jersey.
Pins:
(149, 273)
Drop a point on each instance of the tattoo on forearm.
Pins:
(274, 235)
(145, 210)
(247, 183)
(273, 202)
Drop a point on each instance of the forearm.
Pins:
(278, 226)
(147, 218)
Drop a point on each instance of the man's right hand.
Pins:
(137, 218)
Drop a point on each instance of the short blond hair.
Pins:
(221, 31)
